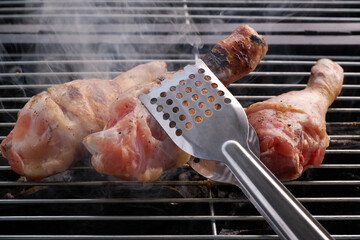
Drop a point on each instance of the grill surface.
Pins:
(47, 43)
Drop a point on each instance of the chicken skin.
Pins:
(236, 55)
(133, 145)
(47, 137)
(291, 127)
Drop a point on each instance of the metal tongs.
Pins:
(205, 120)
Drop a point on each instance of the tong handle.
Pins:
(287, 217)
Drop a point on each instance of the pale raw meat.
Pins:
(133, 145)
(47, 137)
(291, 127)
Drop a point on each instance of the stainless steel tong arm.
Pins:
(287, 217)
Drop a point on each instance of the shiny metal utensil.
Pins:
(218, 171)
(205, 120)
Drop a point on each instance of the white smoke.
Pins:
(106, 36)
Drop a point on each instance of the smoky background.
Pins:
(84, 38)
(103, 38)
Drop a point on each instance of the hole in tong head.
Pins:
(188, 125)
(178, 132)
(195, 97)
(159, 108)
(201, 105)
(175, 109)
(227, 100)
(208, 113)
(172, 124)
(182, 117)
(204, 91)
(207, 78)
(201, 70)
(153, 100)
(166, 116)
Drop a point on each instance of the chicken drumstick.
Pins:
(47, 137)
(291, 127)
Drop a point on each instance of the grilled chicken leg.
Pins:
(291, 127)
(133, 145)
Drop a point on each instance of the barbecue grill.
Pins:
(50, 42)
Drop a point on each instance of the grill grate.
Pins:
(50, 42)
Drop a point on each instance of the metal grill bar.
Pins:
(156, 56)
(164, 218)
(340, 151)
(300, 28)
(162, 200)
(339, 166)
(157, 39)
(187, 61)
(327, 151)
(322, 166)
(174, 8)
(180, 9)
(250, 98)
(95, 61)
(172, 183)
(212, 214)
(156, 237)
(241, 98)
(180, 16)
(232, 86)
(269, 85)
(189, 1)
(56, 74)
(114, 74)
(340, 98)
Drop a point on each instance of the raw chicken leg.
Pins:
(291, 127)
(47, 137)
